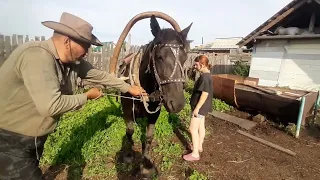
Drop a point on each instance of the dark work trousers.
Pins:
(19, 156)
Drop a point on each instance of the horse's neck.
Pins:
(145, 61)
(146, 78)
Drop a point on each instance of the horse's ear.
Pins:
(154, 25)
(184, 32)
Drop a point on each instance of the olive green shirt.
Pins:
(36, 88)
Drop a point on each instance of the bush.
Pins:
(189, 86)
(221, 106)
(240, 68)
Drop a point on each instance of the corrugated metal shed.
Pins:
(221, 44)
(272, 21)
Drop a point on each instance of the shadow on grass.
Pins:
(127, 170)
(131, 168)
(180, 129)
(313, 131)
(70, 157)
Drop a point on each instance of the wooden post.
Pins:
(2, 58)
(109, 54)
(98, 65)
(7, 46)
(128, 44)
(104, 58)
(14, 42)
(2, 47)
(89, 57)
(312, 22)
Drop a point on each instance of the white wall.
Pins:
(293, 63)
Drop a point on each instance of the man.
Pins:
(37, 83)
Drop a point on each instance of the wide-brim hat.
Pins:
(74, 27)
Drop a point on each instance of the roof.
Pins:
(272, 21)
(221, 44)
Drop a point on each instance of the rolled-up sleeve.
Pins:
(88, 72)
(38, 71)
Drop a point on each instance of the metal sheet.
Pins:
(245, 93)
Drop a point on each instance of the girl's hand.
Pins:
(195, 112)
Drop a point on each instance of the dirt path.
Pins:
(229, 155)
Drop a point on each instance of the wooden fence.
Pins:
(9, 43)
(222, 62)
(99, 58)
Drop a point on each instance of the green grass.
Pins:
(219, 105)
(197, 176)
(88, 140)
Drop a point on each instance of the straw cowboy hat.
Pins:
(74, 27)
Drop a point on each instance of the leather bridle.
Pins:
(177, 65)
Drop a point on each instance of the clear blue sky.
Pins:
(211, 19)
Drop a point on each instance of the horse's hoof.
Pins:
(128, 158)
(147, 172)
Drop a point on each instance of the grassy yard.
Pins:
(89, 140)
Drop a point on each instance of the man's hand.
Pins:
(94, 93)
(136, 91)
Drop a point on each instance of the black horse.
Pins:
(162, 75)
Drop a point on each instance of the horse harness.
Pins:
(175, 50)
(157, 95)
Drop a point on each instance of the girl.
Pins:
(201, 104)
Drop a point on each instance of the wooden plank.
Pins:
(98, 65)
(267, 143)
(7, 45)
(243, 123)
(274, 22)
(109, 55)
(104, 58)
(20, 39)
(14, 42)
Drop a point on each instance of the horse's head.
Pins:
(169, 52)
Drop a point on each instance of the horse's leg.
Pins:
(148, 167)
(128, 117)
